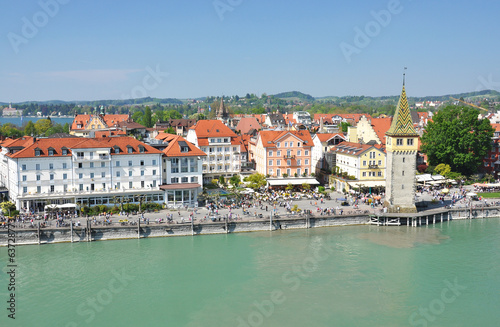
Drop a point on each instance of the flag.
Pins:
(209, 108)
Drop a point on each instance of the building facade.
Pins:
(222, 146)
(282, 153)
(83, 172)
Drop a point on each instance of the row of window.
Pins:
(372, 174)
(401, 141)
(288, 172)
(91, 165)
(288, 162)
(219, 149)
(220, 140)
(288, 144)
(175, 180)
(24, 178)
(288, 152)
(373, 162)
(81, 187)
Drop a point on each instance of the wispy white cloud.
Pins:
(91, 75)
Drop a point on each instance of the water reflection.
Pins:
(403, 237)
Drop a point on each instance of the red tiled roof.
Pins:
(270, 137)
(123, 143)
(380, 126)
(248, 123)
(354, 148)
(212, 128)
(109, 120)
(324, 137)
(174, 149)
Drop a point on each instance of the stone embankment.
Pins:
(89, 233)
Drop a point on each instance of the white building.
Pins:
(222, 146)
(80, 171)
(182, 171)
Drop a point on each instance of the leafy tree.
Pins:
(7, 207)
(222, 181)
(256, 181)
(458, 138)
(170, 130)
(66, 128)
(42, 126)
(289, 187)
(344, 126)
(147, 119)
(443, 169)
(235, 180)
(137, 116)
(172, 114)
(306, 186)
(30, 129)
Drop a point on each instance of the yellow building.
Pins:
(358, 165)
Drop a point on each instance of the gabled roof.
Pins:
(325, 137)
(109, 120)
(380, 126)
(83, 143)
(212, 128)
(246, 124)
(175, 142)
(269, 138)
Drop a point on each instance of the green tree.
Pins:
(137, 116)
(146, 119)
(344, 126)
(170, 130)
(256, 181)
(235, 180)
(7, 207)
(443, 169)
(42, 126)
(30, 129)
(458, 138)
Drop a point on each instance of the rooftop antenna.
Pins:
(404, 76)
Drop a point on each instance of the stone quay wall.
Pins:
(26, 236)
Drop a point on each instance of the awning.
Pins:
(60, 206)
(293, 181)
(356, 184)
(102, 151)
(183, 186)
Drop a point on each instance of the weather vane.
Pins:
(404, 74)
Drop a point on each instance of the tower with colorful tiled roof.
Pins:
(401, 146)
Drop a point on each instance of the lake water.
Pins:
(442, 275)
(17, 120)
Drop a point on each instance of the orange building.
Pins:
(282, 153)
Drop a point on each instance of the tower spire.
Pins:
(404, 76)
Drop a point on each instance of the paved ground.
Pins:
(202, 214)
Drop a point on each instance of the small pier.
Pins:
(414, 220)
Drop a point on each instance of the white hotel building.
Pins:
(222, 146)
(80, 171)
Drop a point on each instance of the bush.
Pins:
(321, 189)
(422, 168)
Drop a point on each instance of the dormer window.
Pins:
(38, 152)
(129, 149)
(51, 151)
(141, 149)
(64, 151)
(117, 149)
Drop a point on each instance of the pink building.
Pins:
(276, 153)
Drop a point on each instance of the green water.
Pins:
(347, 276)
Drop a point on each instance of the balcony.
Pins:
(373, 166)
(286, 156)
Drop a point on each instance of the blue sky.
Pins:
(91, 50)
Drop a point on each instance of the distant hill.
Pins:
(295, 94)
